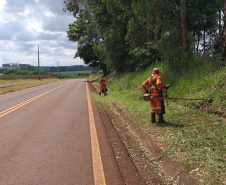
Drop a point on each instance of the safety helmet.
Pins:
(155, 71)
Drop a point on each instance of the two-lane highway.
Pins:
(48, 136)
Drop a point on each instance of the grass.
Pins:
(5, 82)
(194, 134)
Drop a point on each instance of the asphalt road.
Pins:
(48, 136)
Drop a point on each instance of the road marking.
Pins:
(98, 171)
(11, 109)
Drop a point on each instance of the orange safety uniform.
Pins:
(102, 82)
(156, 86)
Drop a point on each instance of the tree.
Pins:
(84, 31)
(72, 6)
(184, 27)
(224, 37)
(131, 35)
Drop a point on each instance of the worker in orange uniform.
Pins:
(103, 88)
(156, 97)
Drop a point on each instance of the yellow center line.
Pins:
(98, 171)
(11, 109)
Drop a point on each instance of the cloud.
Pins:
(15, 6)
(47, 36)
(25, 24)
(8, 30)
(55, 24)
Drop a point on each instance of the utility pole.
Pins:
(38, 65)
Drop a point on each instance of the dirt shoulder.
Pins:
(128, 170)
(151, 161)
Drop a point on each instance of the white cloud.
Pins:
(2, 4)
(25, 24)
(34, 25)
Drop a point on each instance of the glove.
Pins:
(147, 91)
(167, 86)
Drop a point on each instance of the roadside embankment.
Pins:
(193, 137)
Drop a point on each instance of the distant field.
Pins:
(61, 75)
(77, 72)
(73, 74)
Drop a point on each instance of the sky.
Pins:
(27, 24)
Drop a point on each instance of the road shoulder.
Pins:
(152, 163)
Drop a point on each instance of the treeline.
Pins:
(68, 68)
(34, 70)
(2, 69)
(59, 72)
(26, 71)
(131, 35)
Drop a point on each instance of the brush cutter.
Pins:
(109, 87)
(147, 97)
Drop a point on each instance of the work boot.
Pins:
(153, 117)
(161, 118)
(99, 93)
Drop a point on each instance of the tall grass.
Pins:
(190, 77)
(194, 133)
(196, 78)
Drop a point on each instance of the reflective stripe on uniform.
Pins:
(159, 82)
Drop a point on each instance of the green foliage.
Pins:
(72, 5)
(148, 54)
(61, 72)
(29, 71)
(67, 68)
(203, 21)
(2, 69)
(126, 36)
